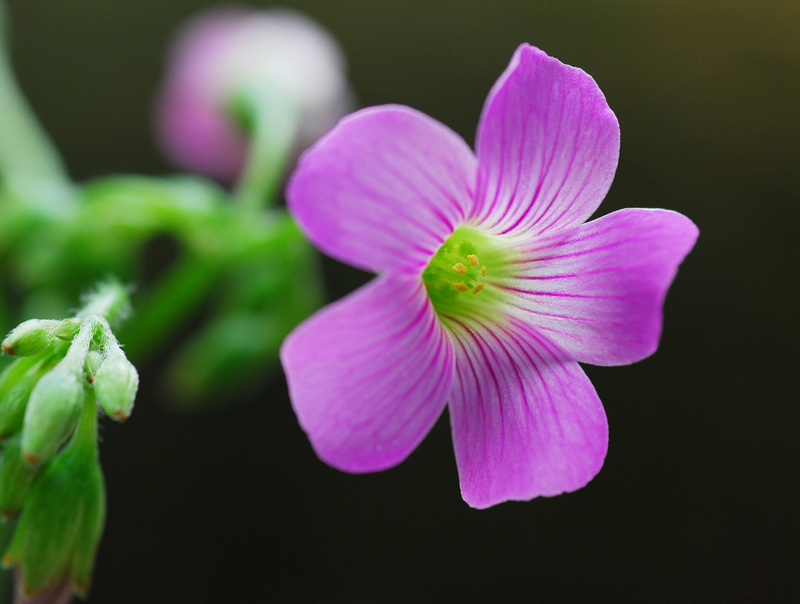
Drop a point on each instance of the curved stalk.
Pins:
(273, 133)
(29, 161)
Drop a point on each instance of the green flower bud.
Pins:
(16, 384)
(53, 412)
(56, 401)
(60, 527)
(15, 478)
(93, 361)
(115, 384)
(68, 329)
(31, 337)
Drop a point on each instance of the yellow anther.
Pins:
(460, 287)
(460, 269)
(483, 271)
(472, 259)
(477, 288)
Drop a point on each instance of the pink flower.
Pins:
(224, 56)
(491, 287)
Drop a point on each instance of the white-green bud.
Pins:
(115, 384)
(53, 412)
(68, 329)
(93, 361)
(31, 337)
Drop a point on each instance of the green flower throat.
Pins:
(464, 273)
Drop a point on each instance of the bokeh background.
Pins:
(698, 497)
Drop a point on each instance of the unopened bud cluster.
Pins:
(50, 475)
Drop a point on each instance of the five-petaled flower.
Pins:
(492, 286)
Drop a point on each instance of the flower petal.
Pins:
(384, 189)
(369, 375)
(598, 290)
(547, 147)
(526, 420)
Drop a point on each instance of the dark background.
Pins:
(698, 497)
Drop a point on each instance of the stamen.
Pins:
(461, 266)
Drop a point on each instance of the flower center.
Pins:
(459, 277)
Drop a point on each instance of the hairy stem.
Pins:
(85, 436)
(110, 300)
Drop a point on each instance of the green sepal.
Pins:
(89, 533)
(16, 384)
(15, 478)
(60, 527)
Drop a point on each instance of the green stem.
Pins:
(6, 576)
(273, 136)
(29, 163)
(85, 437)
(170, 303)
(111, 300)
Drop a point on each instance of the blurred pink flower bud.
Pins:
(225, 54)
